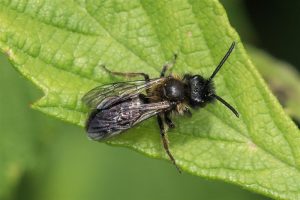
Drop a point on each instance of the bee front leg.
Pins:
(165, 140)
(187, 112)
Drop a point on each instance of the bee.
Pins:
(119, 106)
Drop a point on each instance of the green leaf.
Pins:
(35, 157)
(60, 45)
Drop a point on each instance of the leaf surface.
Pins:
(60, 45)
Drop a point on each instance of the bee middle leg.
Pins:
(167, 66)
(168, 119)
(127, 74)
(165, 140)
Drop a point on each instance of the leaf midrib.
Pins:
(118, 41)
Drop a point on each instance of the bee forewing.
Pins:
(107, 95)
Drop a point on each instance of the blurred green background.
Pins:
(44, 158)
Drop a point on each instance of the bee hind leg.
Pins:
(165, 141)
(127, 74)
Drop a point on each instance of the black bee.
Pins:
(119, 106)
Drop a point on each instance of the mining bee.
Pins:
(119, 106)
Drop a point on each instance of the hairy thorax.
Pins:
(172, 89)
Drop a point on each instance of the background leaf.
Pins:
(282, 78)
(17, 139)
(63, 44)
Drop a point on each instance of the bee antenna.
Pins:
(226, 104)
(222, 61)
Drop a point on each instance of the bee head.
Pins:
(199, 91)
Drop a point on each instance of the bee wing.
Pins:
(112, 121)
(151, 109)
(106, 95)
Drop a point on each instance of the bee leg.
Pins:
(168, 120)
(127, 74)
(187, 112)
(167, 66)
(165, 140)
